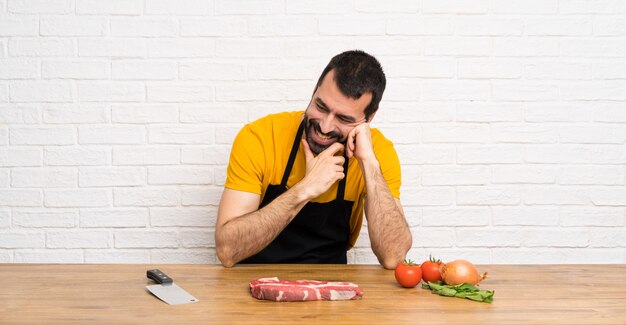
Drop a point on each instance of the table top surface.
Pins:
(116, 294)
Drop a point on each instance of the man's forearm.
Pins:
(389, 233)
(248, 234)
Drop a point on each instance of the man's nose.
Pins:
(326, 124)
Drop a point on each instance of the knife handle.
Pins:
(159, 277)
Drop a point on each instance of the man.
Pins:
(298, 182)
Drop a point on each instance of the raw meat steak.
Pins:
(303, 290)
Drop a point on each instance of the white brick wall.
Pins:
(117, 117)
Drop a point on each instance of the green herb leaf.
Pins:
(464, 290)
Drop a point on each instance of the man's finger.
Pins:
(338, 160)
(333, 149)
(350, 143)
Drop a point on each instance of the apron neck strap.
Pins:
(292, 155)
(342, 183)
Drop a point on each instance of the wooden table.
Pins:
(116, 294)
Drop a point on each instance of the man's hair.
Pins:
(356, 73)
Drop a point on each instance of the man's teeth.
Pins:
(321, 136)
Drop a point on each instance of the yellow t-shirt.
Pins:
(261, 150)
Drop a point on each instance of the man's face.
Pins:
(331, 115)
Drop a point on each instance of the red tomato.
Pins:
(431, 270)
(408, 274)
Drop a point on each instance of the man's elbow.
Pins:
(227, 263)
(392, 260)
(225, 258)
(390, 263)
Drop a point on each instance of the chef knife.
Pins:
(167, 290)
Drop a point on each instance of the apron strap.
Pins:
(292, 155)
(342, 183)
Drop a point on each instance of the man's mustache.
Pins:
(317, 128)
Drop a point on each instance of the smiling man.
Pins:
(298, 182)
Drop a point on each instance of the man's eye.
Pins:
(321, 109)
(344, 120)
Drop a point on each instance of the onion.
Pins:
(461, 271)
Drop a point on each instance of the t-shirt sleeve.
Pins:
(246, 163)
(390, 167)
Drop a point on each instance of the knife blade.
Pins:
(167, 290)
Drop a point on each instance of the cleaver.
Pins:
(167, 290)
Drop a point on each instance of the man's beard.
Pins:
(311, 126)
